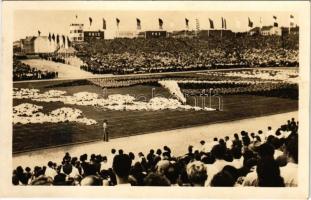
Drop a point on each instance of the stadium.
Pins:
(192, 107)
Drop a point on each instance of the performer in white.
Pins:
(105, 132)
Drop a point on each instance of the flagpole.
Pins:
(289, 24)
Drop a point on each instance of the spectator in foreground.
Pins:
(197, 173)
(121, 166)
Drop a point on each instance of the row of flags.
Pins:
(59, 39)
(211, 23)
(275, 23)
(161, 23)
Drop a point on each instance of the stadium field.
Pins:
(125, 123)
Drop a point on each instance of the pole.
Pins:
(219, 105)
(210, 97)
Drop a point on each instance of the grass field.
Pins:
(124, 123)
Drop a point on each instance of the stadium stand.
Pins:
(23, 72)
(263, 159)
(124, 56)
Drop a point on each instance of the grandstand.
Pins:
(261, 158)
(123, 56)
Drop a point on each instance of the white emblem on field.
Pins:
(27, 113)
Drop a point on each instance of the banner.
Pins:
(160, 24)
(104, 24)
(250, 23)
(187, 23)
(211, 24)
(91, 20)
(138, 24)
(118, 22)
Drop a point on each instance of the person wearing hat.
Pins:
(105, 132)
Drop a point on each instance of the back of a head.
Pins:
(113, 151)
(91, 181)
(172, 173)
(209, 158)
(234, 172)
(83, 157)
(67, 168)
(122, 165)
(266, 150)
(197, 173)
(59, 179)
(222, 179)
(154, 179)
(43, 180)
(291, 145)
(162, 166)
(268, 172)
(90, 169)
(218, 151)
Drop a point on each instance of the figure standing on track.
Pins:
(105, 132)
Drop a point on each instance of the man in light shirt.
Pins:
(105, 132)
(50, 171)
(290, 171)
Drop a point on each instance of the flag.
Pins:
(57, 39)
(160, 23)
(187, 23)
(138, 24)
(39, 32)
(50, 37)
(104, 24)
(118, 22)
(64, 40)
(275, 24)
(68, 42)
(91, 20)
(223, 23)
(53, 37)
(211, 24)
(250, 23)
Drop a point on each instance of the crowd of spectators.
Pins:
(124, 56)
(267, 158)
(22, 71)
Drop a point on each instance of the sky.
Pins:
(28, 22)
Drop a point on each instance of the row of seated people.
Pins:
(22, 71)
(263, 159)
(53, 57)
